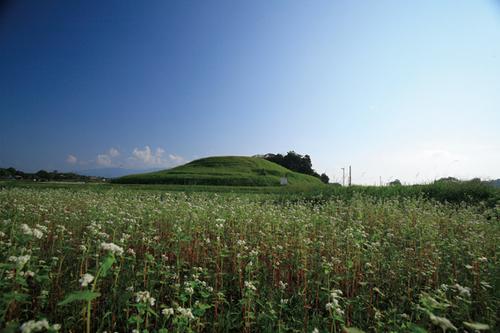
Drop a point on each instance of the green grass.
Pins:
(469, 192)
(224, 170)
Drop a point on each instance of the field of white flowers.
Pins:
(138, 261)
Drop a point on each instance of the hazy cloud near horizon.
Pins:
(422, 164)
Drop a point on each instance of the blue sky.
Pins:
(396, 89)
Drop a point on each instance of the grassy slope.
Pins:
(224, 170)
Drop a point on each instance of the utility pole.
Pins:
(343, 176)
(350, 179)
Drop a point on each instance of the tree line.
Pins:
(298, 163)
(42, 175)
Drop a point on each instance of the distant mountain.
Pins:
(113, 172)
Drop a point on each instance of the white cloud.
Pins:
(176, 159)
(160, 151)
(147, 157)
(113, 152)
(71, 159)
(103, 160)
(106, 159)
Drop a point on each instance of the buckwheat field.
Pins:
(139, 261)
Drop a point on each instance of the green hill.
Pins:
(223, 170)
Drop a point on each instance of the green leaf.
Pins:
(353, 330)
(417, 329)
(151, 311)
(12, 327)
(84, 295)
(135, 319)
(477, 326)
(106, 264)
(16, 296)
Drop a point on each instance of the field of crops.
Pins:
(120, 260)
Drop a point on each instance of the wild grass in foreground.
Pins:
(126, 261)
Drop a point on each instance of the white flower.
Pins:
(144, 297)
(185, 312)
(283, 285)
(102, 234)
(37, 233)
(113, 248)
(20, 261)
(189, 290)
(42, 228)
(336, 293)
(329, 306)
(315, 330)
(86, 279)
(219, 223)
(250, 285)
(167, 312)
(131, 252)
(26, 230)
(34, 326)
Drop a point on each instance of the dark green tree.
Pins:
(396, 182)
(324, 178)
(42, 174)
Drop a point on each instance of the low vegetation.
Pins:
(117, 259)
